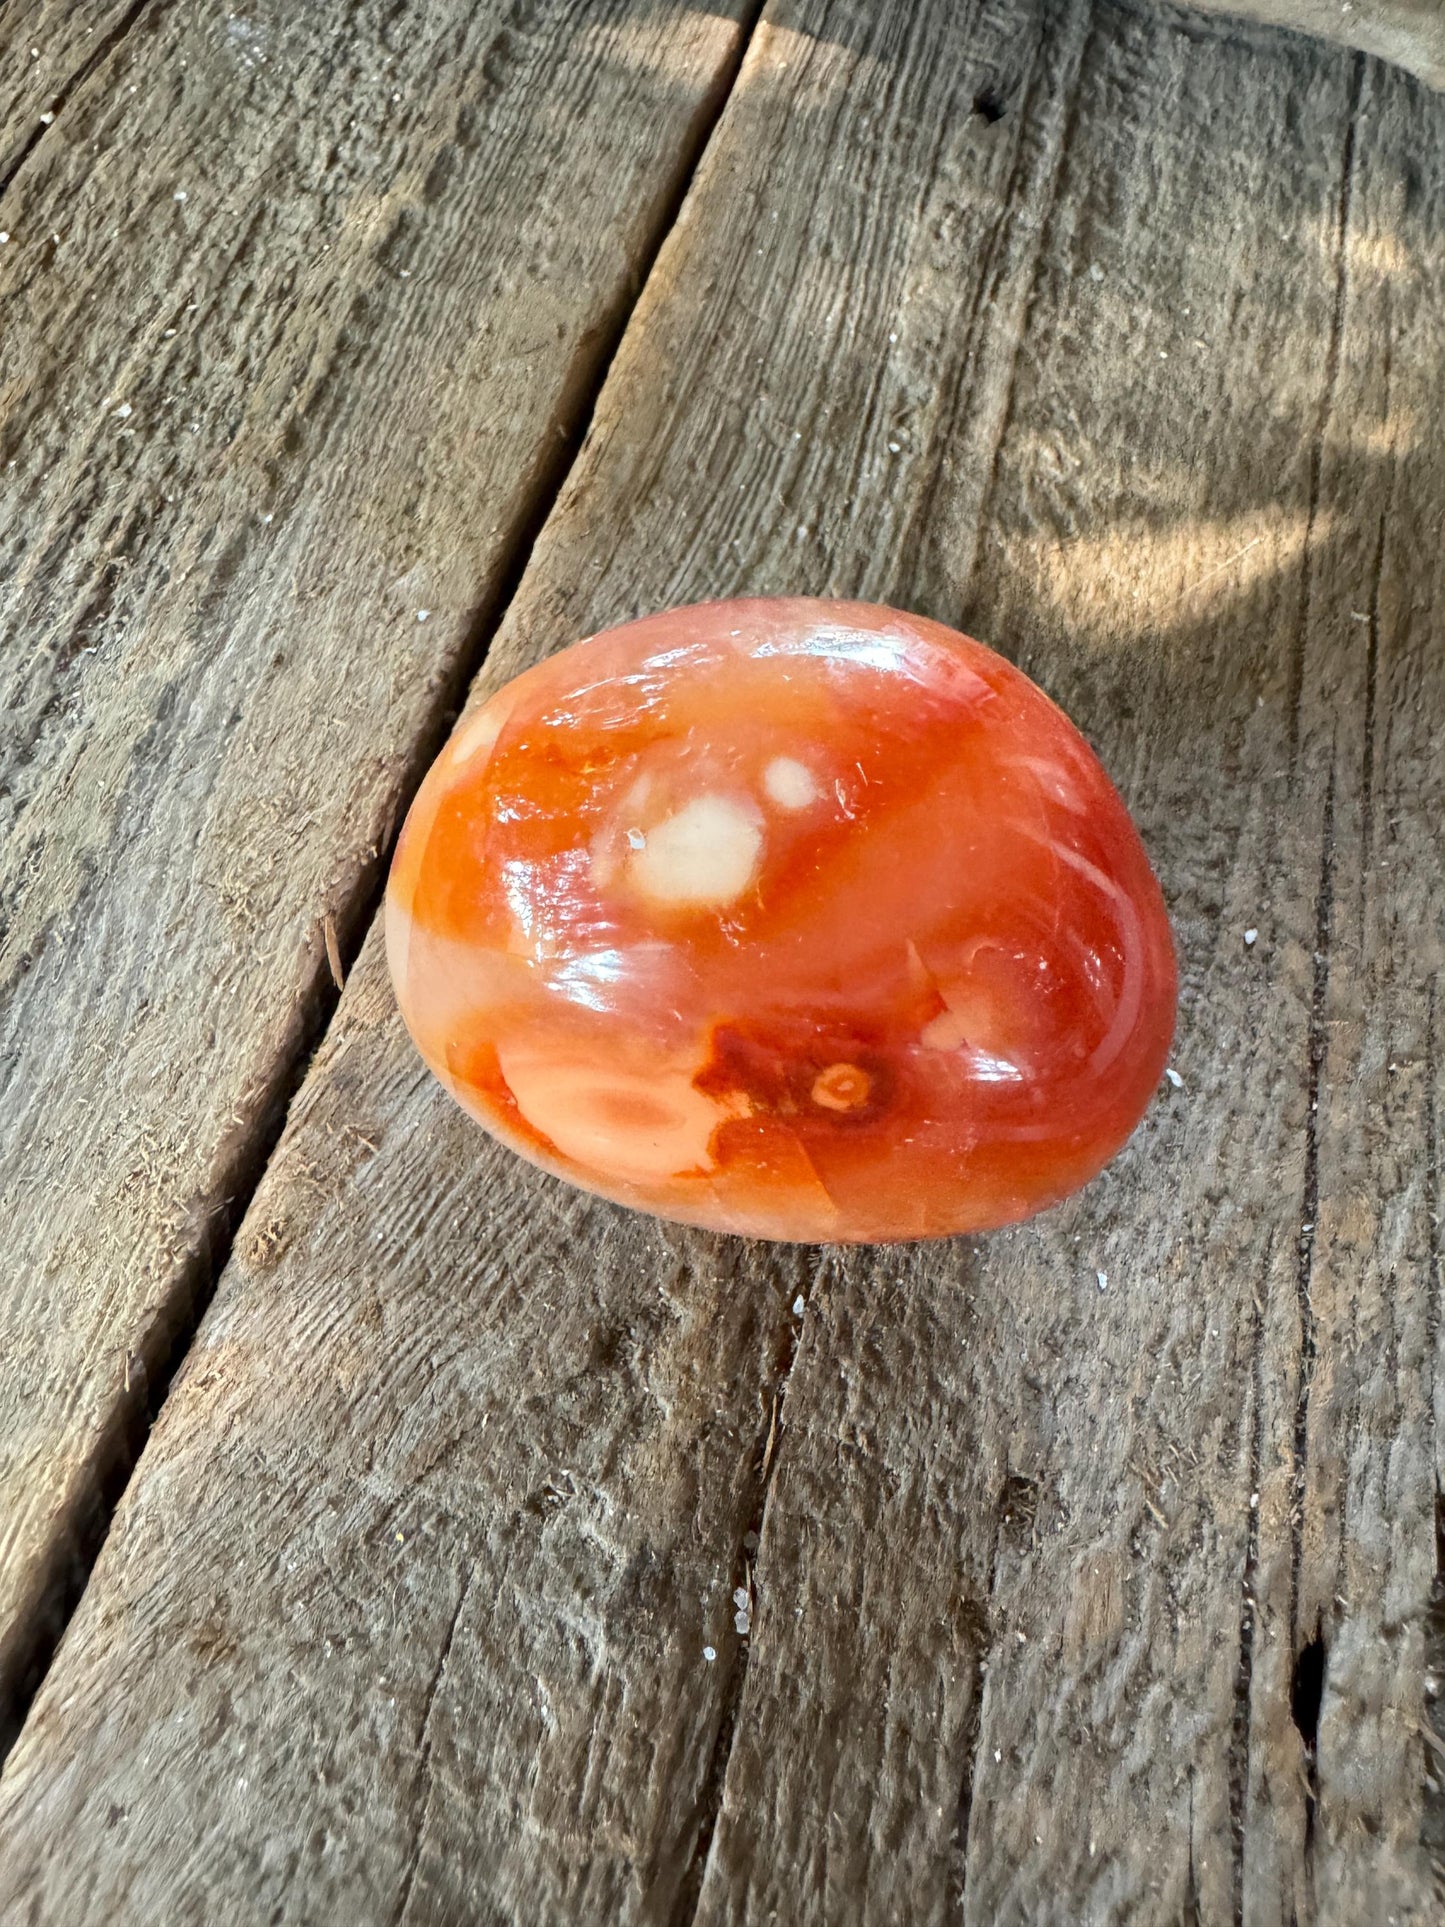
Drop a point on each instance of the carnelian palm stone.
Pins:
(808, 920)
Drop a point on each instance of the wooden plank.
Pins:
(1078, 1538)
(463, 1469)
(1368, 1446)
(302, 309)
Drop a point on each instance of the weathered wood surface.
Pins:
(403, 1614)
(1409, 32)
(43, 58)
(301, 307)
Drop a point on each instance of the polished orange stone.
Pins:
(808, 920)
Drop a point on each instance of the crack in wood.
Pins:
(1432, 1721)
(1317, 1039)
(709, 1804)
(148, 1372)
(1372, 647)
(1343, 205)
(1372, 662)
(1307, 1688)
(1191, 1915)
(96, 58)
(1308, 1230)
(1434, 1203)
(1308, 1324)
(979, 1620)
(62, 1582)
(408, 1879)
(1248, 1612)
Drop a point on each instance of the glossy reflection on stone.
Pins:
(808, 920)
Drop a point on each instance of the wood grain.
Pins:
(46, 51)
(404, 1612)
(302, 308)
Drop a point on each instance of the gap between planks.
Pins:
(121, 1453)
(745, 1558)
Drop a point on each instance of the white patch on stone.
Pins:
(476, 734)
(973, 1021)
(789, 783)
(947, 1031)
(702, 857)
